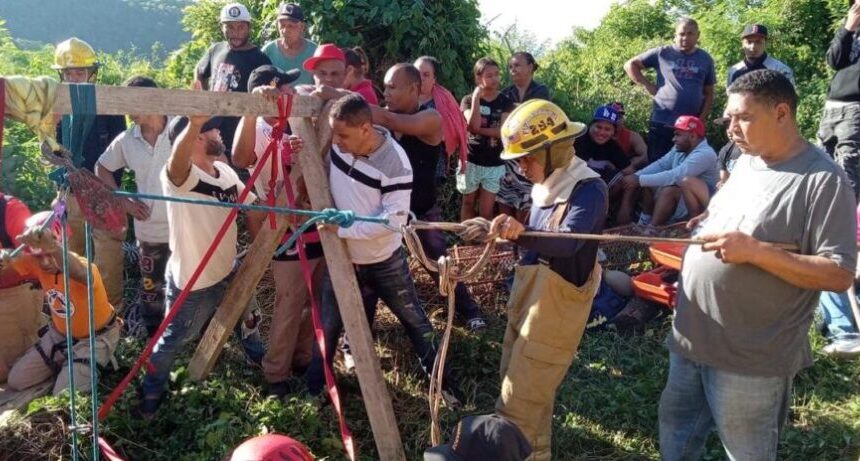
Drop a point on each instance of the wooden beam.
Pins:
(120, 100)
(238, 295)
(373, 387)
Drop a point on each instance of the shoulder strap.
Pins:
(560, 211)
(5, 239)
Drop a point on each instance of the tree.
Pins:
(390, 31)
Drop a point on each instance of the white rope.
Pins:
(449, 276)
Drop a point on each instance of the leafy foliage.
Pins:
(389, 31)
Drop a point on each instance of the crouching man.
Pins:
(48, 357)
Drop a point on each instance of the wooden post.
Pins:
(117, 100)
(373, 388)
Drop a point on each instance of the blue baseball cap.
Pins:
(606, 113)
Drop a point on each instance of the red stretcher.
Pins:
(661, 283)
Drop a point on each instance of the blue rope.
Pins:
(69, 341)
(343, 218)
(94, 372)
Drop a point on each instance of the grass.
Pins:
(606, 408)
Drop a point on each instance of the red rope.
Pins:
(331, 384)
(108, 452)
(180, 300)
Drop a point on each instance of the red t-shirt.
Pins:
(15, 216)
(365, 89)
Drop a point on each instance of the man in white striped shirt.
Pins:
(371, 175)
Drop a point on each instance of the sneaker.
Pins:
(845, 348)
(644, 219)
(348, 361)
(476, 324)
(280, 389)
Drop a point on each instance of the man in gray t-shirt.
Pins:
(685, 84)
(745, 305)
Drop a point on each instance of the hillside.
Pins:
(108, 25)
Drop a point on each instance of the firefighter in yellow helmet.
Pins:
(556, 281)
(76, 62)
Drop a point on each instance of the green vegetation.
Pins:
(607, 407)
(108, 25)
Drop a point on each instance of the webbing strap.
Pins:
(331, 384)
(76, 126)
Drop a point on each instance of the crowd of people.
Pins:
(777, 213)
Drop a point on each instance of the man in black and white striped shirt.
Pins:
(371, 175)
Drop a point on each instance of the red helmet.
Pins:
(38, 220)
(271, 447)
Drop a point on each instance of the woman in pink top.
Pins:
(357, 68)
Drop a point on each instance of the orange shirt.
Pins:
(14, 217)
(55, 295)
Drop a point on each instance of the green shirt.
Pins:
(286, 63)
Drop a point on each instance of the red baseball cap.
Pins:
(323, 52)
(690, 123)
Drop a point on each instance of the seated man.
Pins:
(681, 182)
(48, 357)
(371, 175)
(193, 172)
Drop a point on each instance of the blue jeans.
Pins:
(748, 412)
(838, 318)
(839, 133)
(389, 280)
(194, 315)
(153, 263)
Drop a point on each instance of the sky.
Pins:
(550, 20)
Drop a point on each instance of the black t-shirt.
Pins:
(728, 154)
(606, 159)
(103, 131)
(484, 150)
(228, 70)
(424, 159)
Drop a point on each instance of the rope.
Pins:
(477, 229)
(88, 237)
(343, 218)
(449, 276)
(73, 417)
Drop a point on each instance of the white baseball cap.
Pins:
(235, 12)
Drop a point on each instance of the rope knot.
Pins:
(342, 218)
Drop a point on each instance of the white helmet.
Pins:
(235, 12)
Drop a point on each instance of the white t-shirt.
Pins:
(130, 150)
(193, 227)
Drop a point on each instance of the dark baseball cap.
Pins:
(483, 437)
(291, 11)
(754, 29)
(179, 123)
(268, 74)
